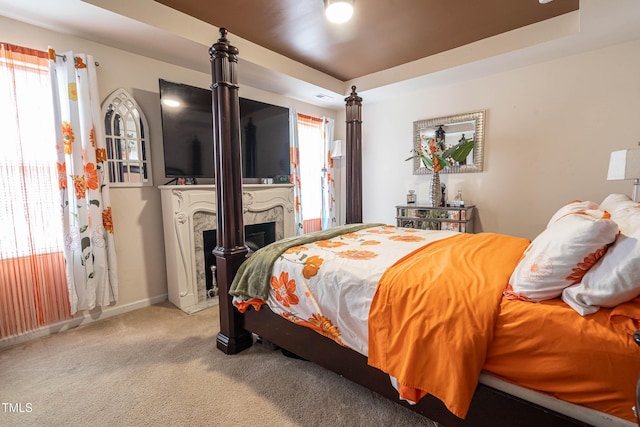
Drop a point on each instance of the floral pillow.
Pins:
(616, 277)
(561, 255)
(573, 207)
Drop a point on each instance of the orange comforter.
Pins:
(431, 320)
(438, 318)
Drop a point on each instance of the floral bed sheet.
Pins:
(328, 285)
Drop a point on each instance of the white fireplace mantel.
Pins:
(183, 251)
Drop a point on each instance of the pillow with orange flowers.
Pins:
(560, 256)
(573, 207)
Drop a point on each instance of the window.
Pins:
(33, 285)
(128, 155)
(29, 191)
(311, 173)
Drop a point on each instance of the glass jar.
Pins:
(411, 197)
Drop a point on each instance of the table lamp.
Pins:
(625, 164)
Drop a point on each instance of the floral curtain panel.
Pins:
(84, 193)
(328, 181)
(294, 158)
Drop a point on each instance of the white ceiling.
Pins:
(148, 28)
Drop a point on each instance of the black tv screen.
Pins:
(187, 133)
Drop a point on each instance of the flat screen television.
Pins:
(187, 134)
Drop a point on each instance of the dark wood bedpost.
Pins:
(230, 249)
(354, 158)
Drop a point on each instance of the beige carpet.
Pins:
(159, 366)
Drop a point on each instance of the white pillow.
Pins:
(561, 255)
(573, 207)
(616, 277)
(615, 202)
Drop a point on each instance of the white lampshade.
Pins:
(625, 164)
(336, 150)
(338, 11)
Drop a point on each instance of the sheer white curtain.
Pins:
(33, 286)
(311, 170)
(294, 158)
(328, 177)
(84, 192)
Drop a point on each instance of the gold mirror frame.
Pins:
(475, 120)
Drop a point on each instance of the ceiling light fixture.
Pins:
(338, 11)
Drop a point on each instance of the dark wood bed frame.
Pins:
(490, 407)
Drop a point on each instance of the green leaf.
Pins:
(460, 151)
(463, 150)
(83, 228)
(85, 243)
(416, 154)
(94, 202)
(428, 163)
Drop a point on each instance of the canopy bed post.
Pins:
(230, 249)
(354, 157)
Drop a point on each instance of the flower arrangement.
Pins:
(435, 156)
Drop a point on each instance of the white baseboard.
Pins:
(80, 319)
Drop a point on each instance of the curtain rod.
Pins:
(64, 58)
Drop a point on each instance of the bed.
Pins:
(486, 386)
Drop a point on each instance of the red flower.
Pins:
(285, 289)
(101, 155)
(67, 137)
(325, 326)
(80, 186)
(329, 244)
(311, 266)
(91, 176)
(107, 222)
(581, 269)
(357, 255)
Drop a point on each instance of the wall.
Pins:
(137, 211)
(549, 131)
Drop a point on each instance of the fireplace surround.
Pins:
(190, 210)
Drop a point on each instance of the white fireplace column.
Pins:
(261, 203)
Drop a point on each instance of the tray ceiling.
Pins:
(382, 33)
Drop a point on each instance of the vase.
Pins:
(435, 189)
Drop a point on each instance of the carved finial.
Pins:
(353, 96)
(222, 45)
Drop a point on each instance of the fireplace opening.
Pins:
(256, 236)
